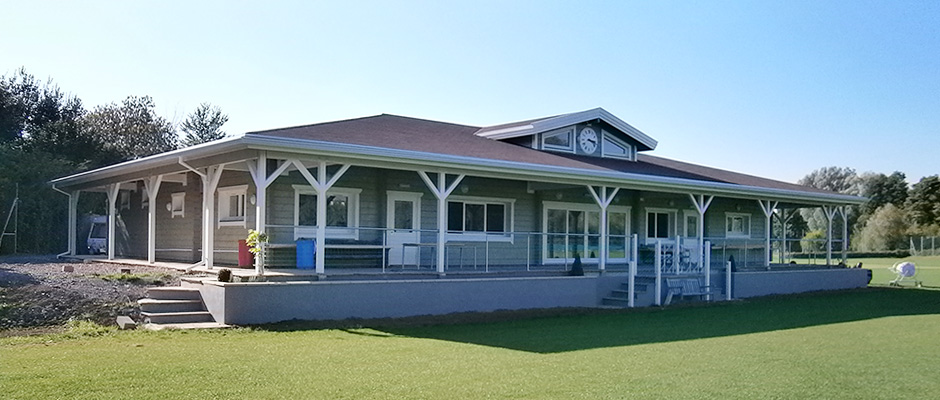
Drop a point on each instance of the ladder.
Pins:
(14, 215)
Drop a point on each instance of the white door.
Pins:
(403, 222)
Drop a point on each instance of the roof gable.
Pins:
(536, 126)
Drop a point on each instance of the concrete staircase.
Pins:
(643, 296)
(175, 307)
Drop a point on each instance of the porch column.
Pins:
(830, 214)
(441, 191)
(321, 184)
(844, 210)
(73, 221)
(152, 184)
(768, 208)
(784, 219)
(701, 204)
(603, 200)
(113, 191)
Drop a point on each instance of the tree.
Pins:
(833, 179)
(130, 130)
(18, 96)
(885, 230)
(204, 125)
(881, 189)
(923, 203)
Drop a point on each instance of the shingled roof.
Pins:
(413, 134)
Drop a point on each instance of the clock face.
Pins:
(588, 140)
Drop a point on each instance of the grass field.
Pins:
(864, 344)
(928, 269)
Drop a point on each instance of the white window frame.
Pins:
(746, 224)
(332, 232)
(671, 236)
(144, 198)
(584, 207)
(178, 199)
(571, 140)
(225, 193)
(124, 200)
(630, 149)
(509, 228)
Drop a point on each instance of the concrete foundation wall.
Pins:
(753, 284)
(254, 303)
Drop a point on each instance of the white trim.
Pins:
(351, 231)
(390, 207)
(475, 236)
(672, 228)
(547, 124)
(745, 224)
(628, 148)
(225, 194)
(572, 138)
(181, 211)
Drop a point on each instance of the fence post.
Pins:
(728, 281)
(658, 264)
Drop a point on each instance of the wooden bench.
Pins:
(685, 287)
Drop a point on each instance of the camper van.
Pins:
(98, 235)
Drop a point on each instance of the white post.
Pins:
(768, 208)
(676, 251)
(603, 200)
(707, 265)
(844, 210)
(658, 266)
(113, 191)
(441, 191)
(152, 184)
(701, 205)
(321, 184)
(73, 220)
(830, 213)
(631, 280)
(728, 281)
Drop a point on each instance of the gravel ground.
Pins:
(35, 292)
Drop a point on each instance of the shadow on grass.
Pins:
(582, 332)
(545, 331)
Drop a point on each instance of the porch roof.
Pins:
(418, 143)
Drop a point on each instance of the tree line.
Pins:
(894, 212)
(47, 133)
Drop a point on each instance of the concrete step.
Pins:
(177, 317)
(162, 306)
(174, 293)
(189, 325)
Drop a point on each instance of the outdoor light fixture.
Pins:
(253, 199)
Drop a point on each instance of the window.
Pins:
(737, 225)
(574, 228)
(177, 204)
(691, 224)
(659, 224)
(342, 212)
(562, 139)
(124, 200)
(232, 205)
(616, 148)
(483, 216)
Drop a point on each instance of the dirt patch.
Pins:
(36, 292)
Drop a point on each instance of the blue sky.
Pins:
(771, 88)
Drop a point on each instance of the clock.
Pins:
(588, 140)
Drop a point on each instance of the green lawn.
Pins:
(872, 343)
(928, 269)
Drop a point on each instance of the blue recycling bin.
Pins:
(306, 253)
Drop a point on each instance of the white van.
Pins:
(98, 235)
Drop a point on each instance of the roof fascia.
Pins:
(561, 121)
(384, 157)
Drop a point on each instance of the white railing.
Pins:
(390, 250)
